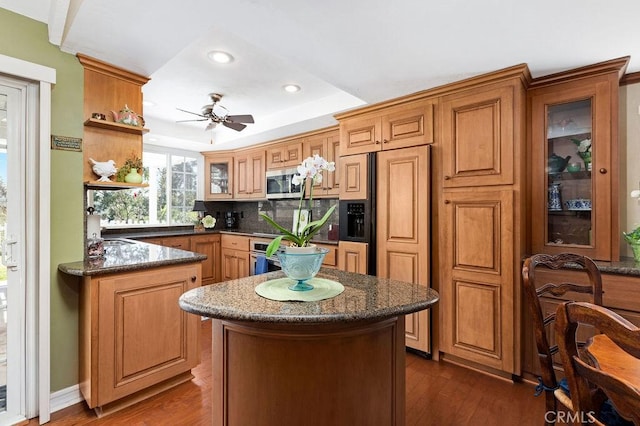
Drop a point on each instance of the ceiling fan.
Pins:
(216, 114)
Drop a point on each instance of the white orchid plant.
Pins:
(309, 172)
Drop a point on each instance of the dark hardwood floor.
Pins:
(438, 393)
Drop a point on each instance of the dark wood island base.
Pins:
(309, 374)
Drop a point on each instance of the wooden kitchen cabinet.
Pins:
(478, 136)
(566, 109)
(482, 216)
(283, 155)
(235, 256)
(403, 240)
(135, 340)
(218, 177)
(327, 146)
(392, 127)
(352, 257)
(108, 88)
(210, 245)
(250, 175)
(354, 172)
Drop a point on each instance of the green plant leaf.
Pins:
(312, 228)
(274, 246)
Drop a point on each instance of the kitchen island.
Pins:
(332, 362)
(134, 339)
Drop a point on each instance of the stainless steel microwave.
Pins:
(280, 185)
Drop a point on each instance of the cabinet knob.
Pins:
(377, 142)
(603, 171)
(447, 177)
(193, 278)
(385, 141)
(447, 201)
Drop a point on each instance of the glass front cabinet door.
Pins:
(574, 152)
(218, 174)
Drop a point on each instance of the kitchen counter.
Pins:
(335, 361)
(124, 255)
(365, 297)
(172, 232)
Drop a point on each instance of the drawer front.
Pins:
(331, 259)
(235, 242)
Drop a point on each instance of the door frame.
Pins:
(38, 80)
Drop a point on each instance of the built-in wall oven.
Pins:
(258, 248)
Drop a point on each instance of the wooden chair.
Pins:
(587, 379)
(543, 324)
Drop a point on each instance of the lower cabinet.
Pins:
(135, 341)
(235, 257)
(352, 256)
(209, 244)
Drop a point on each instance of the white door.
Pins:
(13, 116)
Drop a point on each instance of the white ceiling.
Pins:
(343, 53)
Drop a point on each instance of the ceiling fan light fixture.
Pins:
(220, 57)
(291, 88)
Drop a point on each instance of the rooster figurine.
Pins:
(104, 169)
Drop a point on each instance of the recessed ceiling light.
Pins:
(291, 88)
(220, 56)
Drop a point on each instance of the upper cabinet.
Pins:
(218, 177)
(284, 154)
(574, 161)
(327, 146)
(404, 125)
(478, 136)
(106, 89)
(249, 174)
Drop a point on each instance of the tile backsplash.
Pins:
(281, 211)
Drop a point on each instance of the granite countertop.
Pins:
(625, 266)
(169, 232)
(124, 255)
(365, 297)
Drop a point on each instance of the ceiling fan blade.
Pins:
(185, 121)
(189, 112)
(240, 118)
(234, 126)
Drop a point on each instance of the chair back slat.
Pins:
(587, 380)
(543, 324)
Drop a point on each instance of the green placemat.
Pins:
(279, 290)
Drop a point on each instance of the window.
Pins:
(173, 186)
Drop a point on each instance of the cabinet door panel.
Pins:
(403, 249)
(408, 127)
(478, 138)
(478, 269)
(352, 257)
(144, 336)
(354, 184)
(360, 135)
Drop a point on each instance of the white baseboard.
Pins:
(65, 398)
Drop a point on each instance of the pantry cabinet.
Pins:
(405, 125)
(218, 177)
(574, 161)
(250, 172)
(403, 241)
(482, 219)
(134, 337)
(327, 146)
